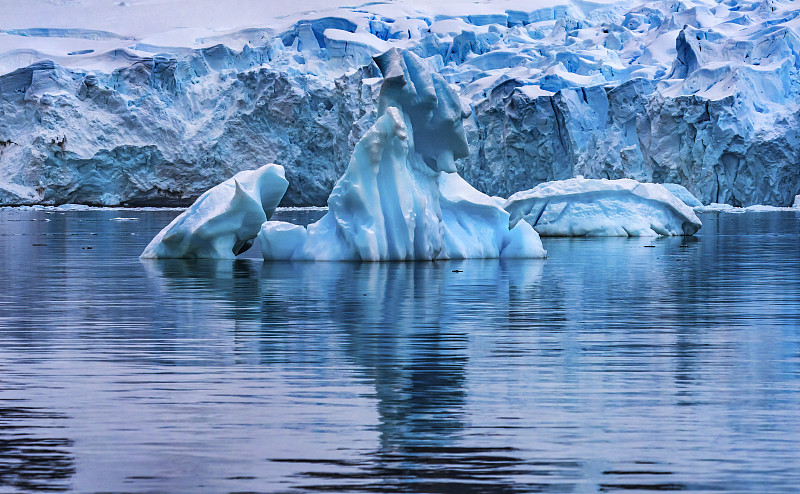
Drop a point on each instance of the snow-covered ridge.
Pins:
(141, 102)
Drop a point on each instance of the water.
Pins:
(609, 367)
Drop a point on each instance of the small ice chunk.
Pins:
(716, 207)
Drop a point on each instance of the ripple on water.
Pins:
(607, 367)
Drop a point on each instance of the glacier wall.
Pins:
(632, 131)
(157, 133)
(700, 94)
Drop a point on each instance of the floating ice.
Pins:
(400, 197)
(600, 207)
(756, 208)
(225, 220)
(716, 207)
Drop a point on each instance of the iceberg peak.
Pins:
(400, 197)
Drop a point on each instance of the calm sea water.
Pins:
(616, 365)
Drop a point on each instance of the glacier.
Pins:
(581, 207)
(151, 103)
(225, 220)
(401, 197)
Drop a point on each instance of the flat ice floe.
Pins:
(756, 208)
(605, 208)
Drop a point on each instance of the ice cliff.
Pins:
(121, 103)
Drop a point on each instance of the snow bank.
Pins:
(400, 198)
(610, 208)
(225, 220)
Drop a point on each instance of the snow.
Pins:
(225, 220)
(400, 197)
(533, 92)
(581, 207)
(154, 101)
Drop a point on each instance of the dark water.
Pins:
(609, 367)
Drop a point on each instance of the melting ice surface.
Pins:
(683, 194)
(401, 198)
(602, 208)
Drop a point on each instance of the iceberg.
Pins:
(225, 220)
(599, 207)
(400, 197)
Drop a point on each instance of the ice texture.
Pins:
(684, 195)
(153, 102)
(225, 220)
(400, 197)
(580, 207)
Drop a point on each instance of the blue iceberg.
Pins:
(400, 197)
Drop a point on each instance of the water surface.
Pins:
(616, 365)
